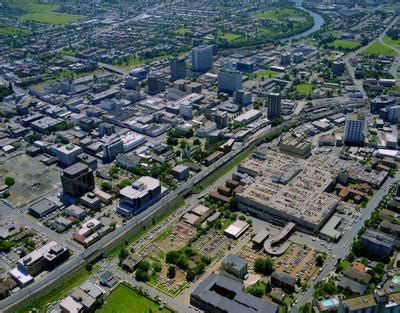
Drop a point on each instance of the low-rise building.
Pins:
(44, 258)
(377, 243)
(75, 211)
(234, 265)
(296, 145)
(218, 293)
(67, 154)
(42, 208)
(180, 172)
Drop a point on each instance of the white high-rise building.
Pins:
(354, 129)
(202, 58)
(229, 80)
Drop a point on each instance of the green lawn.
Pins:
(378, 48)
(58, 291)
(126, 299)
(389, 41)
(304, 88)
(266, 73)
(346, 264)
(13, 31)
(40, 8)
(278, 14)
(229, 36)
(182, 31)
(345, 44)
(22, 4)
(50, 18)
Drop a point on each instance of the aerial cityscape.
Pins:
(189, 156)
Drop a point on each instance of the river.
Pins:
(318, 23)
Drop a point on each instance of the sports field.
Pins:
(344, 44)
(124, 299)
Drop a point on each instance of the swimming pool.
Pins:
(330, 302)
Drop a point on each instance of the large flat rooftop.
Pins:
(291, 188)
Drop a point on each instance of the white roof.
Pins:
(236, 228)
(387, 152)
(88, 226)
(140, 187)
(21, 277)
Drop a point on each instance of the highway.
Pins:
(341, 249)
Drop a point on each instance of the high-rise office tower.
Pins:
(77, 180)
(178, 68)
(274, 105)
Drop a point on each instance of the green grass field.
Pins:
(22, 4)
(378, 48)
(126, 299)
(50, 18)
(266, 73)
(304, 88)
(389, 41)
(344, 44)
(229, 36)
(13, 31)
(40, 8)
(182, 31)
(278, 14)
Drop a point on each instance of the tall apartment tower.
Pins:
(354, 129)
(229, 81)
(177, 67)
(274, 105)
(202, 58)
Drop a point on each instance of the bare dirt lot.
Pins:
(32, 178)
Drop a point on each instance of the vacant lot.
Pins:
(344, 44)
(125, 299)
(378, 48)
(32, 178)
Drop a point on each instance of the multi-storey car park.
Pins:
(288, 190)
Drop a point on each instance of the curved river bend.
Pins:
(318, 23)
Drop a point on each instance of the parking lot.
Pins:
(213, 244)
(298, 262)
